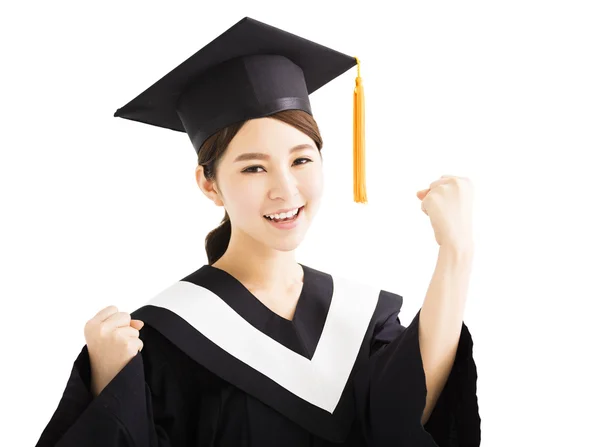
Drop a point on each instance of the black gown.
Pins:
(219, 368)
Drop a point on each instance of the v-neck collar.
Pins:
(215, 322)
(302, 333)
(249, 295)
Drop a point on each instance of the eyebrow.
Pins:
(260, 156)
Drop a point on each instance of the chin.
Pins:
(290, 246)
(284, 244)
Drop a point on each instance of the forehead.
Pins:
(267, 135)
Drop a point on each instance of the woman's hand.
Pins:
(112, 339)
(449, 203)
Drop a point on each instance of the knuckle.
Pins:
(103, 330)
(115, 336)
(124, 342)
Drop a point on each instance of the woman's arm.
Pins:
(393, 388)
(441, 319)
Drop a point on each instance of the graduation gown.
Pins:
(219, 368)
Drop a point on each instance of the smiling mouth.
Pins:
(286, 219)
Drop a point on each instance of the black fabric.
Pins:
(166, 396)
(307, 324)
(396, 405)
(252, 70)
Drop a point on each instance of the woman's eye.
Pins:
(250, 169)
(253, 169)
(308, 160)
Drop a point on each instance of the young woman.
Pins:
(254, 348)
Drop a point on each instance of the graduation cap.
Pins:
(252, 70)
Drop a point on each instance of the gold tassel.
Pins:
(360, 187)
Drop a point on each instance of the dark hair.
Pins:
(210, 154)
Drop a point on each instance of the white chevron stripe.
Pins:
(319, 381)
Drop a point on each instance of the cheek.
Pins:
(312, 186)
(244, 200)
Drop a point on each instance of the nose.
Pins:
(283, 186)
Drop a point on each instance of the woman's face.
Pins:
(270, 167)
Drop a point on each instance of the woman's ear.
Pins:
(208, 187)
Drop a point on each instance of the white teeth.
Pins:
(283, 215)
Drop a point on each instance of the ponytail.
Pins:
(217, 240)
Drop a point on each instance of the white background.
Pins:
(99, 210)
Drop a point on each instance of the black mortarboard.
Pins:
(252, 70)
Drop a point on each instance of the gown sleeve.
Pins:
(391, 392)
(125, 413)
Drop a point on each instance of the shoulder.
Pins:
(388, 303)
(165, 364)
